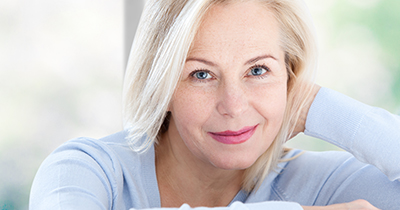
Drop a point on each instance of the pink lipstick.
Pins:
(234, 137)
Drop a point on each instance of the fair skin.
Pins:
(227, 108)
(234, 79)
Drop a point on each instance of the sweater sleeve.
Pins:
(77, 175)
(371, 134)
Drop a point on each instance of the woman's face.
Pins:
(230, 102)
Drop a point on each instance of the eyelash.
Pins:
(192, 74)
(261, 66)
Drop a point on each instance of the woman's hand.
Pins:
(301, 123)
(354, 205)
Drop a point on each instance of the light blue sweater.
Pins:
(86, 173)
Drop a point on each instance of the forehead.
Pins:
(239, 26)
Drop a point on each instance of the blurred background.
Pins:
(62, 64)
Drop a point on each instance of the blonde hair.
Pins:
(162, 42)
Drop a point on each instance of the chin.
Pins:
(235, 163)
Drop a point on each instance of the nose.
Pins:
(232, 99)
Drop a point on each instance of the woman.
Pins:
(213, 89)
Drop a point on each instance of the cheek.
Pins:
(191, 107)
(270, 102)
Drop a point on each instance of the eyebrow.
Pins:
(209, 63)
(251, 61)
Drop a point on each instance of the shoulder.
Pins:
(324, 178)
(302, 174)
(313, 177)
(110, 154)
(310, 160)
(95, 168)
(102, 150)
(100, 157)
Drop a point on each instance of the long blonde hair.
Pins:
(162, 42)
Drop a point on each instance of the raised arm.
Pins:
(371, 134)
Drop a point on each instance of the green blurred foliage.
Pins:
(15, 199)
(382, 18)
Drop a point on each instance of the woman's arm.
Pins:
(371, 134)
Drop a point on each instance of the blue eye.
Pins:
(257, 71)
(202, 75)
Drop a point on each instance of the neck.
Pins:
(182, 178)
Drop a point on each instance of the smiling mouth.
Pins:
(234, 137)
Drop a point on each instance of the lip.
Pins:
(234, 137)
